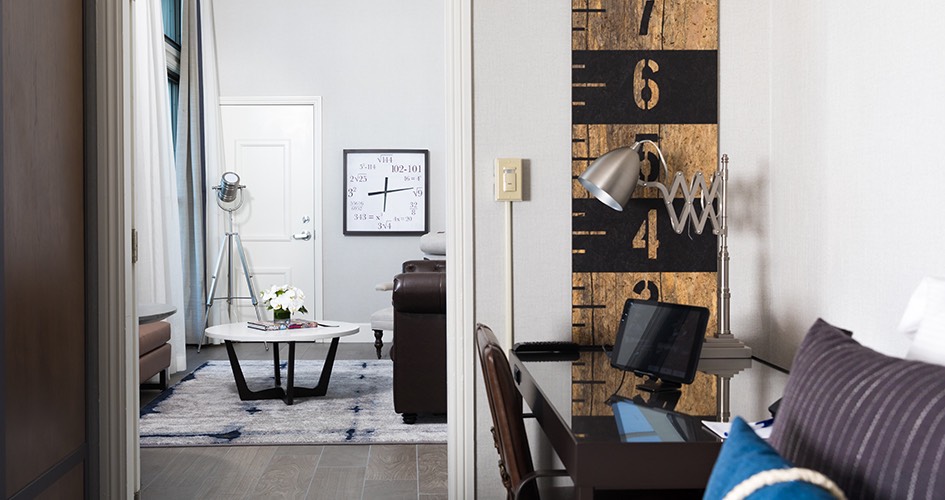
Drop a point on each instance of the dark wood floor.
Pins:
(304, 472)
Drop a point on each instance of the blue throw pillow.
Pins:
(743, 455)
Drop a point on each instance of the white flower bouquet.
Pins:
(284, 300)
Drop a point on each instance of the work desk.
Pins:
(678, 455)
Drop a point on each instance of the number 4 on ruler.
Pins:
(646, 236)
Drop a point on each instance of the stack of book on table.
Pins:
(291, 324)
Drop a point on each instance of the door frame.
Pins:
(115, 458)
(118, 463)
(460, 285)
(318, 208)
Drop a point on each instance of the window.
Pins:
(172, 45)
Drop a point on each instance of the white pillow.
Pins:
(918, 303)
(433, 243)
(925, 320)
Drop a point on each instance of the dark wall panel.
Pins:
(44, 396)
(70, 485)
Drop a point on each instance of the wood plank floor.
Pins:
(357, 472)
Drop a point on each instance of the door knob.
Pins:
(304, 236)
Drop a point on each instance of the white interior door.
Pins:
(274, 145)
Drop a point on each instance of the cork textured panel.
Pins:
(686, 149)
(689, 149)
(645, 24)
(598, 299)
(580, 159)
(624, 25)
(698, 289)
(691, 24)
(641, 70)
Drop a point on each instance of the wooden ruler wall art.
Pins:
(641, 69)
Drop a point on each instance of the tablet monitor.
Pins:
(660, 340)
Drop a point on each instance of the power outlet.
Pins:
(508, 179)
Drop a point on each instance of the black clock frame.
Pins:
(426, 193)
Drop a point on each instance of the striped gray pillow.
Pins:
(873, 423)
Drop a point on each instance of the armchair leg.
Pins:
(161, 384)
(378, 343)
(410, 418)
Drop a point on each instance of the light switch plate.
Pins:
(508, 179)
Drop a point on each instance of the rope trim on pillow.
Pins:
(774, 476)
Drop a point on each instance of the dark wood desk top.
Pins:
(671, 451)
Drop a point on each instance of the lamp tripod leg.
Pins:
(249, 281)
(212, 290)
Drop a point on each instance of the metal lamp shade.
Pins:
(229, 187)
(612, 177)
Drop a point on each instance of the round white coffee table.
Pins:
(240, 332)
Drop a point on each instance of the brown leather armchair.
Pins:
(419, 347)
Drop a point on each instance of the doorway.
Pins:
(457, 154)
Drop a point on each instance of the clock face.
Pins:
(385, 191)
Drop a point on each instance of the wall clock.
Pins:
(386, 191)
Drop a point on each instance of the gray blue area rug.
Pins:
(205, 409)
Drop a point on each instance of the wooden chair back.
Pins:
(508, 431)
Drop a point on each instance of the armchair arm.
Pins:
(420, 292)
(431, 266)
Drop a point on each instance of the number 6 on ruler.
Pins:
(646, 93)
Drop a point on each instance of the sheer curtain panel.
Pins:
(158, 272)
(199, 157)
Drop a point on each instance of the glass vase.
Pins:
(283, 315)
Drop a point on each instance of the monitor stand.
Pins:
(665, 400)
(654, 384)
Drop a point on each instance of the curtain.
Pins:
(214, 154)
(158, 272)
(199, 159)
(190, 178)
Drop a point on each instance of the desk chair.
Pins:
(508, 430)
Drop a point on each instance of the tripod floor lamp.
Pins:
(229, 197)
(612, 178)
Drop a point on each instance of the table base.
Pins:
(290, 392)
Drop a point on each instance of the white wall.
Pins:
(833, 113)
(522, 97)
(379, 67)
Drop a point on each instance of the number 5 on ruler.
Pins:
(646, 236)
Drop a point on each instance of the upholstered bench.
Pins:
(155, 353)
